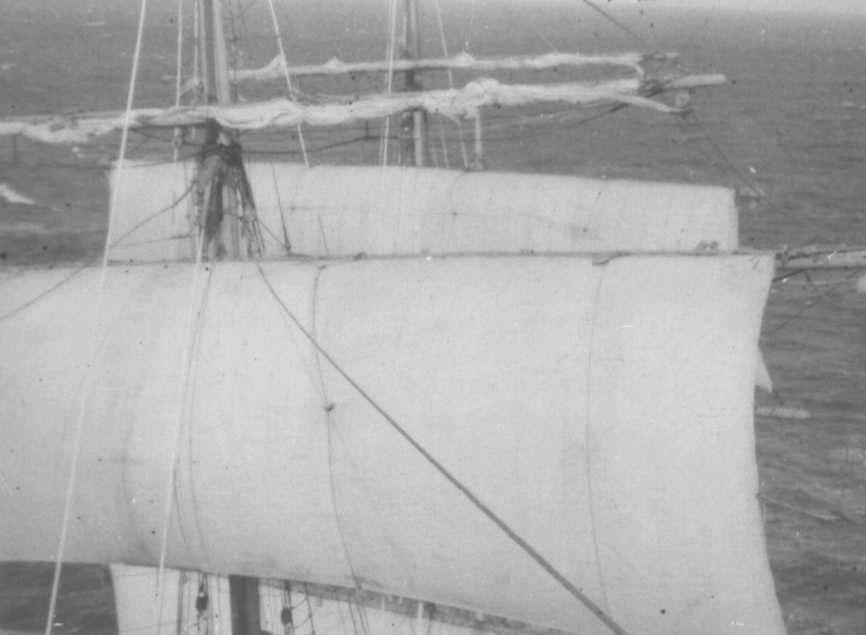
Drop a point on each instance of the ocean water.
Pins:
(788, 132)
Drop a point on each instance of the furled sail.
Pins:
(276, 69)
(287, 113)
(603, 409)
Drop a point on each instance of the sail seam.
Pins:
(587, 440)
(327, 407)
(202, 542)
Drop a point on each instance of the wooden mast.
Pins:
(217, 90)
(218, 53)
(243, 591)
(416, 119)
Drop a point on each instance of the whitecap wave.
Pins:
(11, 196)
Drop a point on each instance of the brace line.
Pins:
(609, 622)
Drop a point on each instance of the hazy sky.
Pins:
(813, 6)
(857, 7)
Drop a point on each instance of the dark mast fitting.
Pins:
(226, 218)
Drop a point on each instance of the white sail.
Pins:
(344, 211)
(165, 604)
(603, 410)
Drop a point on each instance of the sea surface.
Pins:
(788, 132)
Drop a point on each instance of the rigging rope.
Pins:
(286, 243)
(193, 325)
(450, 85)
(309, 610)
(235, 53)
(43, 294)
(362, 616)
(823, 297)
(285, 63)
(196, 64)
(178, 132)
(617, 23)
(154, 215)
(471, 26)
(389, 82)
(727, 163)
(97, 350)
(78, 270)
(539, 559)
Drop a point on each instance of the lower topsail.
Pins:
(604, 410)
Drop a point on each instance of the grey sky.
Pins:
(856, 7)
(801, 6)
